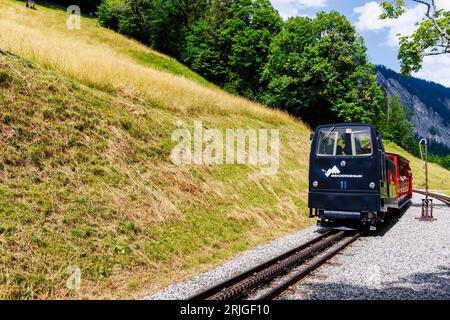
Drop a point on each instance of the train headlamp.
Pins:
(315, 184)
(372, 185)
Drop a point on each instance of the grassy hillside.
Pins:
(57, 42)
(85, 180)
(85, 177)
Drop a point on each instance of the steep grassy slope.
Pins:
(85, 180)
(85, 174)
(50, 21)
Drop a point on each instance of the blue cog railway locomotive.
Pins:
(353, 182)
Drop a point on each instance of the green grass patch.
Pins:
(165, 63)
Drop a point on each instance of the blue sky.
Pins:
(380, 35)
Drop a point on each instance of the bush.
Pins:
(86, 6)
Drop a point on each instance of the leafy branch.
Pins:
(431, 38)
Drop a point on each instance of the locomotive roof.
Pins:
(346, 125)
(350, 124)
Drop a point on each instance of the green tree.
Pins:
(318, 70)
(395, 123)
(205, 54)
(431, 38)
(163, 24)
(127, 17)
(170, 22)
(86, 6)
(231, 44)
(446, 162)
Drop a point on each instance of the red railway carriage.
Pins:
(400, 180)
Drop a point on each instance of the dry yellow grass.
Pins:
(85, 179)
(92, 61)
(128, 217)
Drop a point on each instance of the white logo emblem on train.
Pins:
(336, 173)
(333, 171)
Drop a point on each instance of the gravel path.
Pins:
(409, 260)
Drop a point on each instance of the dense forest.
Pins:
(314, 68)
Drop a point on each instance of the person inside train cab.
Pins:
(344, 145)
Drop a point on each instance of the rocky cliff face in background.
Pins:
(429, 102)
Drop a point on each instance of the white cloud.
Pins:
(437, 69)
(369, 17)
(405, 25)
(291, 8)
(443, 4)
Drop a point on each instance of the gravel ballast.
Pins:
(410, 260)
(406, 260)
(238, 265)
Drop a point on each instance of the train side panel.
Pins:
(403, 181)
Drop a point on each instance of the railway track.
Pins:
(437, 196)
(304, 259)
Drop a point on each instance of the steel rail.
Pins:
(232, 281)
(440, 197)
(278, 290)
(245, 283)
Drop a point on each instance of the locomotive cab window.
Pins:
(342, 141)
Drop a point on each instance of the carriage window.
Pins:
(351, 141)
